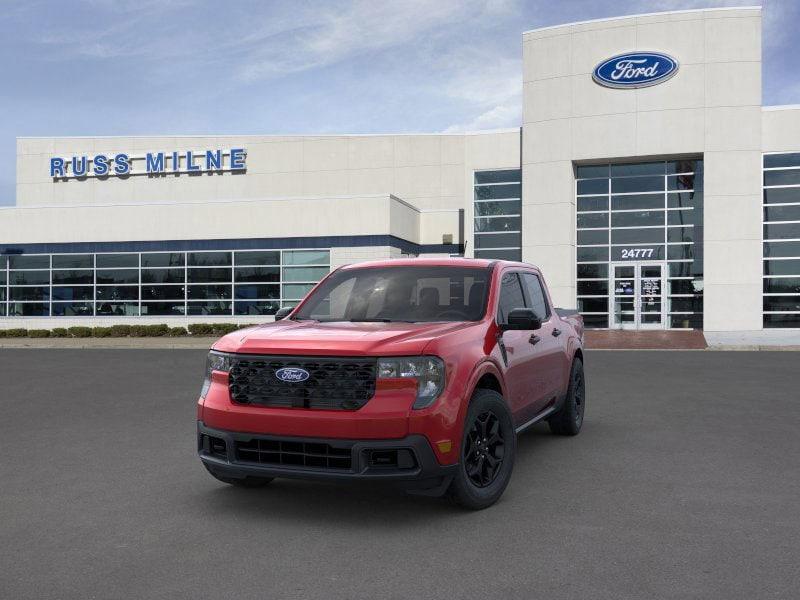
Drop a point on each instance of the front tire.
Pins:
(569, 419)
(244, 482)
(488, 447)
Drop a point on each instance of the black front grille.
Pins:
(333, 383)
(293, 453)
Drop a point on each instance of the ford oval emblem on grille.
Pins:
(292, 374)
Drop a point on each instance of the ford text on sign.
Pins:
(635, 70)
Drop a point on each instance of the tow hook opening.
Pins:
(401, 458)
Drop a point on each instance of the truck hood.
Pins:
(337, 338)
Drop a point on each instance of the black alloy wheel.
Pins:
(484, 449)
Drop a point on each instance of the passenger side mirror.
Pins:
(524, 319)
(283, 312)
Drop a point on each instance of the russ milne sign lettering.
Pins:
(635, 70)
(152, 163)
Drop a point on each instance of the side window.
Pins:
(511, 296)
(536, 295)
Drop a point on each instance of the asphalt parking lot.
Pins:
(683, 484)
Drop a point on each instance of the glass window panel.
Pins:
(593, 220)
(533, 285)
(162, 292)
(592, 271)
(694, 321)
(595, 321)
(680, 234)
(683, 217)
(2, 294)
(685, 286)
(116, 261)
(637, 219)
(648, 168)
(117, 309)
(683, 182)
(684, 166)
(209, 292)
(306, 257)
(782, 303)
(72, 261)
(637, 236)
(258, 258)
(782, 213)
(512, 254)
(589, 171)
(256, 292)
(3, 309)
(679, 252)
(782, 249)
(29, 293)
(209, 308)
(593, 305)
(787, 177)
(162, 308)
(593, 203)
(3, 277)
(787, 320)
(117, 292)
(163, 259)
(73, 309)
(23, 261)
(218, 275)
(257, 274)
(694, 304)
(118, 276)
(782, 195)
(296, 291)
(592, 186)
(622, 185)
(782, 285)
(29, 277)
(495, 192)
(85, 292)
(637, 202)
(73, 277)
(163, 275)
(791, 159)
(593, 288)
(498, 176)
(592, 236)
(498, 224)
(511, 296)
(782, 267)
(685, 200)
(782, 231)
(28, 309)
(681, 269)
(290, 303)
(497, 240)
(304, 273)
(505, 207)
(256, 308)
(209, 259)
(592, 254)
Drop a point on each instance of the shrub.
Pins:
(223, 328)
(138, 331)
(59, 332)
(2, 333)
(201, 329)
(156, 330)
(120, 330)
(17, 332)
(80, 332)
(101, 332)
(177, 332)
(38, 333)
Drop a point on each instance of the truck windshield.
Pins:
(412, 294)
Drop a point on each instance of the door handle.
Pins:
(534, 339)
(556, 332)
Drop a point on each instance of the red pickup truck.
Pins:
(417, 371)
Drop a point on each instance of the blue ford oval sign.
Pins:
(635, 70)
(292, 374)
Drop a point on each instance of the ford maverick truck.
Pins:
(420, 372)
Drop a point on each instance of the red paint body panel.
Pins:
(531, 379)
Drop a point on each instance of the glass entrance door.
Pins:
(637, 300)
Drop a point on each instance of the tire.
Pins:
(476, 484)
(244, 482)
(569, 419)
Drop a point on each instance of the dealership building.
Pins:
(646, 180)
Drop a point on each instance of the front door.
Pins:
(637, 300)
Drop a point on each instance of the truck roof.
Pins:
(437, 262)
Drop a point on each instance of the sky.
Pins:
(161, 67)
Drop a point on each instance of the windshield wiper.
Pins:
(378, 320)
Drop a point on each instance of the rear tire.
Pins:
(488, 447)
(244, 482)
(569, 419)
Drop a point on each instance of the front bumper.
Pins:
(410, 461)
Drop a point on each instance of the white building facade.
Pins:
(646, 180)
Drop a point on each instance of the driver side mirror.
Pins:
(522, 319)
(283, 312)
